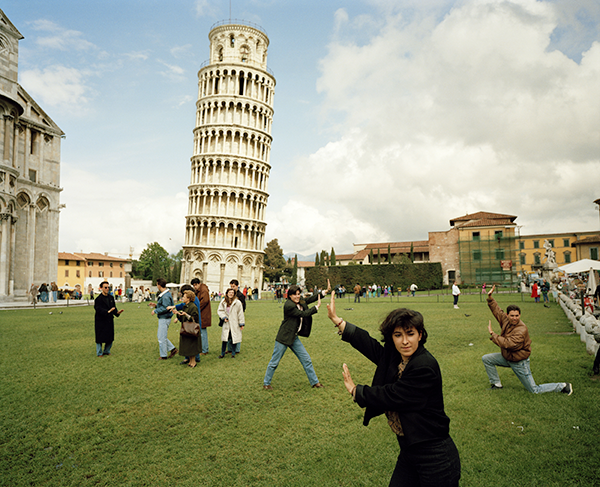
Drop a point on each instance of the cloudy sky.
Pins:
(391, 117)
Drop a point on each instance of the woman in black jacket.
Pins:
(297, 321)
(407, 388)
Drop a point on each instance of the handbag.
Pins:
(221, 322)
(190, 329)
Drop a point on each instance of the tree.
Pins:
(378, 256)
(332, 256)
(317, 261)
(175, 264)
(371, 258)
(389, 259)
(323, 257)
(274, 261)
(412, 252)
(153, 263)
(294, 278)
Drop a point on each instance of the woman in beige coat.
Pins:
(231, 313)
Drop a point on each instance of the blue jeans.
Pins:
(164, 344)
(107, 347)
(54, 296)
(521, 370)
(204, 336)
(302, 355)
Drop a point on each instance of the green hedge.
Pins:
(426, 275)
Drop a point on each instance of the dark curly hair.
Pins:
(404, 318)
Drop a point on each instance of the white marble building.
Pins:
(225, 225)
(29, 179)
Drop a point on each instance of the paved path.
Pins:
(61, 303)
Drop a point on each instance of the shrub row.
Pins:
(427, 275)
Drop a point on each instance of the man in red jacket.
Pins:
(515, 348)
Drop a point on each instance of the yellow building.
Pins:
(532, 254)
(71, 270)
(587, 247)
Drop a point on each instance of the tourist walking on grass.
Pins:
(54, 289)
(515, 349)
(357, 291)
(413, 289)
(203, 296)
(180, 307)
(104, 323)
(189, 346)
(455, 294)
(297, 321)
(164, 301)
(535, 292)
(231, 312)
(407, 388)
(33, 292)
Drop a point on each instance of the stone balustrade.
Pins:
(584, 323)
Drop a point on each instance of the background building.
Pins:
(225, 225)
(71, 270)
(29, 179)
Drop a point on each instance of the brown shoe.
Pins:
(173, 353)
(268, 388)
(161, 358)
(318, 385)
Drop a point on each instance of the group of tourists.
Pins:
(407, 382)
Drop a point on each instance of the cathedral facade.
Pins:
(29, 179)
(225, 227)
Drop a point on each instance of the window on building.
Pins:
(522, 259)
(100, 273)
(476, 236)
(521, 245)
(451, 276)
(110, 274)
(91, 264)
(90, 274)
(232, 40)
(77, 274)
(477, 255)
(33, 175)
(498, 233)
(66, 262)
(120, 274)
(566, 242)
(551, 242)
(66, 272)
(33, 147)
(567, 257)
(111, 264)
(536, 244)
(100, 264)
(77, 263)
(537, 259)
(594, 253)
(121, 265)
(499, 254)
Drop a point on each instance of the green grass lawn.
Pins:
(71, 419)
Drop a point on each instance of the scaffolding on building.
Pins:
(488, 260)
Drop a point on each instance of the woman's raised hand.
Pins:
(348, 382)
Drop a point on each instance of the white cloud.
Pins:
(441, 119)
(107, 214)
(205, 8)
(58, 86)
(173, 71)
(60, 38)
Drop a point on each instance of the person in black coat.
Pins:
(104, 322)
(297, 320)
(407, 388)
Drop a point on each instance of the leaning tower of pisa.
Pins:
(225, 227)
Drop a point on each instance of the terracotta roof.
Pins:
(305, 263)
(586, 240)
(97, 256)
(395, 248)
(483, 219)
(344, 257)
(68, 256)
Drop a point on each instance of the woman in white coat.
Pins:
(231, 313)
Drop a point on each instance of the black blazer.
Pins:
(416, 396)
(291, 320)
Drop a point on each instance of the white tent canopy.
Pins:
(172, 284)
(583, 265)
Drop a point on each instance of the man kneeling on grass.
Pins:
(515, 347)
